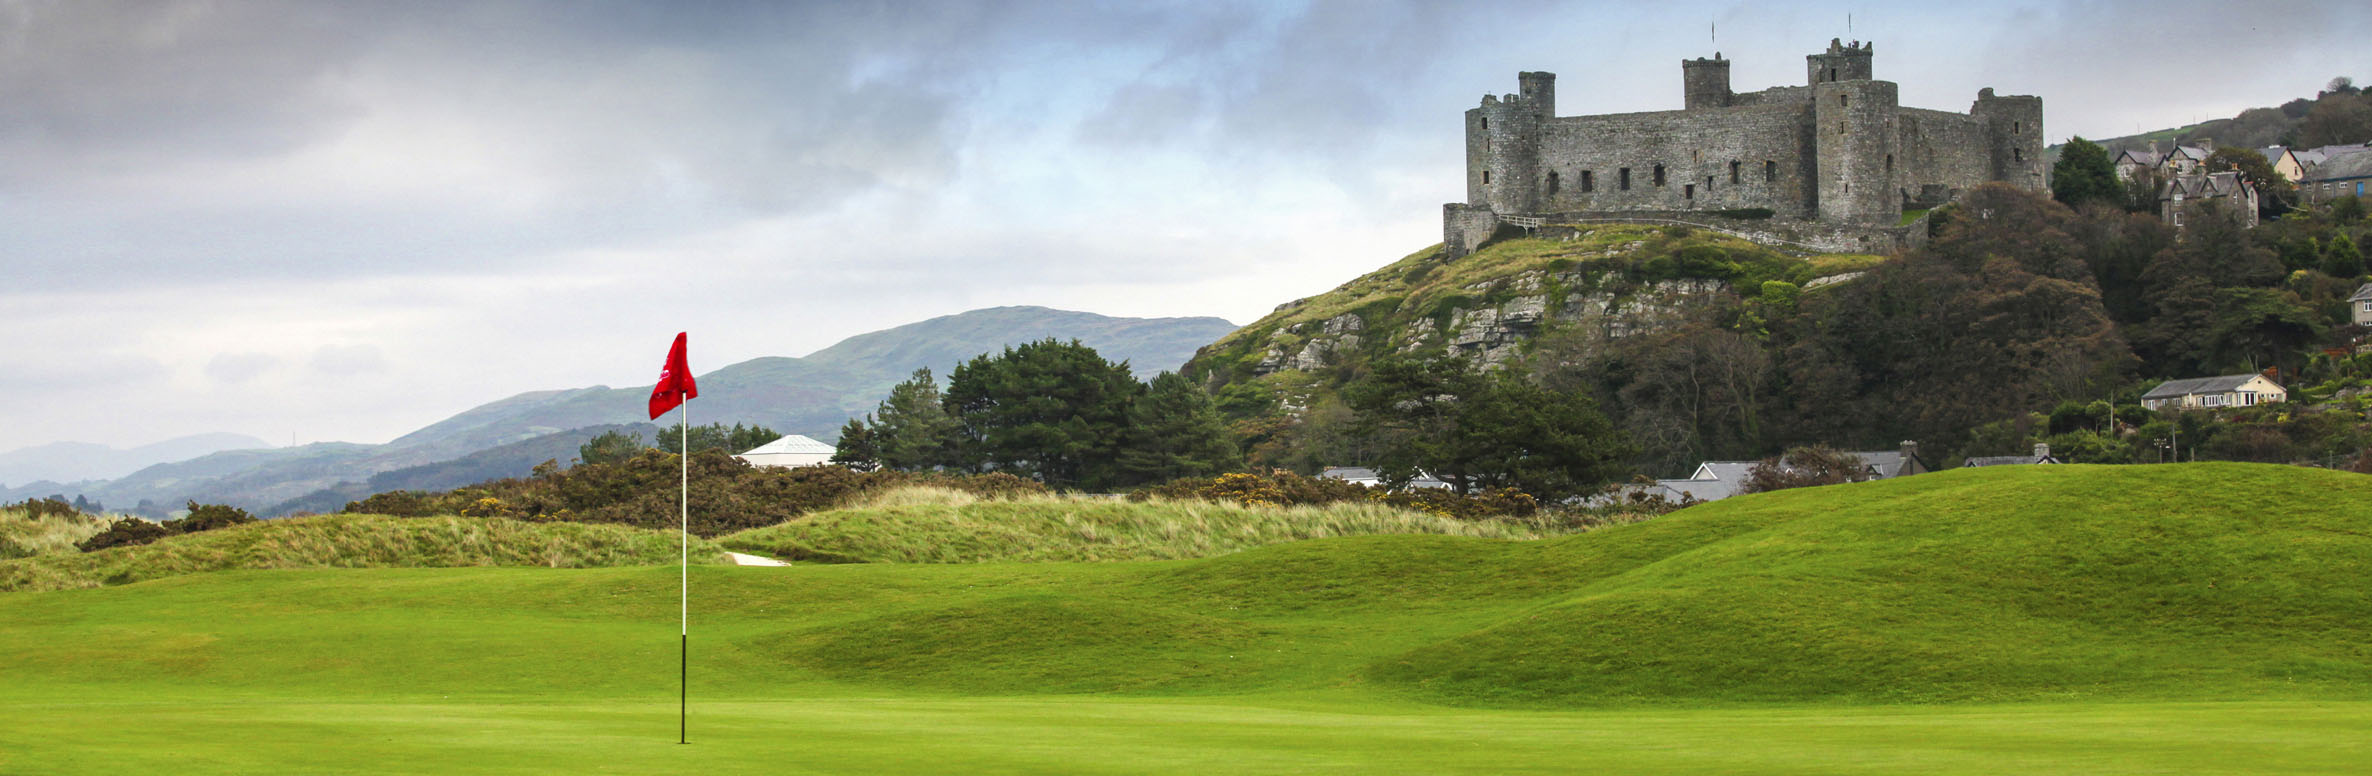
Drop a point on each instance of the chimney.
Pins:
(2042, 450)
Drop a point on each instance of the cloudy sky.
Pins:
(342, 221)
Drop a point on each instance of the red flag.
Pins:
(675, 381)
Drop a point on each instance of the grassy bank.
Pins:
(929, 525)
(22, 535)
(353, 541)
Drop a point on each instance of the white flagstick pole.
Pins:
(683, 430)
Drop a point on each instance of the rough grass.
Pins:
(1828, 264)
(22, 535)
(931, 525)
(355, 541)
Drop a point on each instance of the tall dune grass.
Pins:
(23, 535)
(357, 541)
(934, 525)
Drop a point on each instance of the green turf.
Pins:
(2160, 619)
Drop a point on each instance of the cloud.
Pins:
(237, 368)
(344, 360)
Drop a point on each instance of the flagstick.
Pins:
(683, 430)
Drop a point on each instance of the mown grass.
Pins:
(932, 525)
(2178, 618)
(22, 535)
(354, 541)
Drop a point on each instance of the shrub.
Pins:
(45, 507)
(126, 532)
(1280, 488)
(1803, 467)
(207, 517)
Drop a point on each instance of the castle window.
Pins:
(1625, 181)
(2017, 154)
(1770, 171)
(1486, 123)
(1840, 100)
(1552, 184)
(1688, 191)
(2017, 126)
(1486, 177)
(1733, 172)
(1586, 183)
(1889, 164)
(1659, 175)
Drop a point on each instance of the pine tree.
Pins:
(857, 449)
(2084, 174)
(1049, 410)
(911, 430)
(1176, 432)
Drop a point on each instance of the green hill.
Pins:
(2159, 619)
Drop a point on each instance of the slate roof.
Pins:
(2347, 166)
(2174, 388)
(2209, 186)
(2009, 460)
(2362, 293)
(1716, 480)
(2144, 158)
(792, 444)
(2273, 153)
(2193, 152)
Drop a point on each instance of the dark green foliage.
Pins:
(912, 429)
(124, 532)
(2347, 209)
(1051, 411)
(609, 447)
(1478, 431)
(2337, 118)
(859, 449)
(207, 517)
(2341, 259)
(1174, 432)
(2084, 174)
(1804, 467)
(1286, 489)
(715, 436)
(44, 507)
(2275, 192)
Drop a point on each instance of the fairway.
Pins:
(1105, 736)
(1934, 624)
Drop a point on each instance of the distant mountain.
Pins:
(812, 396)
(80, 461)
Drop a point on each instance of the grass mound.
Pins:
(930, 525)
(2016, 583)
(355, 541)
(1031, 643)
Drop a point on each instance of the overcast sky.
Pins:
(345, 220)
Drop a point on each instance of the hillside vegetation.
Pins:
(932, 525)
(355, 541)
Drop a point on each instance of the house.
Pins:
(2132, 162)
(1717, 480)
(2347, 174)
(2042, 454)
(2181, 198)
(2245, 390)
(1361, 475)
(2187, 160)
(789, 452)
(2285, 163)
(2359, 305)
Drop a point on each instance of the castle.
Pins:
(1837, 161)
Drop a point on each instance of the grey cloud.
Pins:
(239, 367)
(342, 360)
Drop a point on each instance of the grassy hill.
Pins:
(2145, 619)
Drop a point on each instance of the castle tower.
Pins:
(2014, 135)
(1503, 146)
(1705, 83)
(1842, 62)
(1854, 138)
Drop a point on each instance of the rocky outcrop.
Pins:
(1494, 333)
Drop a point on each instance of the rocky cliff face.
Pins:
(1495, 333)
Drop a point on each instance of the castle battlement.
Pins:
(1839, 150)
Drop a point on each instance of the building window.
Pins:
(2017, 127)
(1840, 127)
(1770, 171)
(1734, 172)
(1588, 185)
(1486, 123)
(1625, 181)
(1486, 177)
(1688, 191)
(1890, 164)
(1840, 101)
(2017, 154)
(1659, 175)
(1552, 183)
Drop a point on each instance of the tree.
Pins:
(610, 447)
(1804, 467)
(1048, 410)
(2084, 174)
(2336, 119)
(2275, 192)
(1176, 432)
(1477, 431)
(2259, 327)
(2341, 259)
(715, 436)
(857, 449)
(911, 430)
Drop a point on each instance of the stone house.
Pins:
(2359, 305)
(2348, 174)
(2183, 198)
(2131, 162)
(2187, 160)
(2245, 390)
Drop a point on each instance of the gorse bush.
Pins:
(124, 532)
(207, 517)
(1286, 489)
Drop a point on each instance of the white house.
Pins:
(2359, 305)
(2246, 390)
(788, 452)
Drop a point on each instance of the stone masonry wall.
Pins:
(1769, 144)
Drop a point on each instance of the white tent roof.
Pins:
(792, 444)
